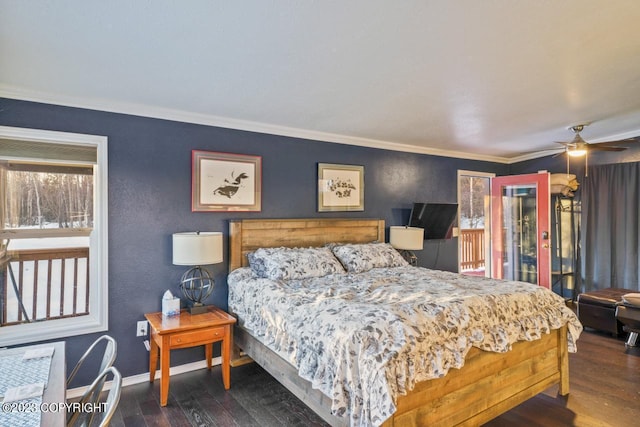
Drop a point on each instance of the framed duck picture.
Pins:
(224, 182)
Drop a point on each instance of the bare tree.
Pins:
(36, 192)
(473, 191)
(40, 198)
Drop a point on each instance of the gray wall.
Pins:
(149, 199)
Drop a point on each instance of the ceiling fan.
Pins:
(579, 147)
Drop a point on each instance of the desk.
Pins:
(55, 392)
(187, 330)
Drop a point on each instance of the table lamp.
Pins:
(406, 240)
(197, 249)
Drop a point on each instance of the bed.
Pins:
(488, 384)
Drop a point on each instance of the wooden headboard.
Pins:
(246, 235)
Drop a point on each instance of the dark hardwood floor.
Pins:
(604, 381)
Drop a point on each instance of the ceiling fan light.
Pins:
(576, 152)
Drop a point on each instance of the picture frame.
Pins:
(225, 182)
(340, 187)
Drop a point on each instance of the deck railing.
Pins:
(44, 284)
(472, 253)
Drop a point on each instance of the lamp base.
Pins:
(409, 256)
(198, 309)
(196, 285)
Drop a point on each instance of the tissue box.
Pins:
(170, 307)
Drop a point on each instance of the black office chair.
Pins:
(90, 410)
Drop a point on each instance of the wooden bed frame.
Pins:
(488, 385)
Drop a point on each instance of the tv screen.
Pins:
(437, 219)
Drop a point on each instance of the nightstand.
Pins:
(187, 330)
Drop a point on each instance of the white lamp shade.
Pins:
(197, 248)
(406, 238)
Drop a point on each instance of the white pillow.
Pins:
(358, 258)
(293, 263)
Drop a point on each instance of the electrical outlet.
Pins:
(141, 329)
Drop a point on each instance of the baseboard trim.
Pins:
(141, 378)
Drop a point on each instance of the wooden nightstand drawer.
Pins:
(195, 337)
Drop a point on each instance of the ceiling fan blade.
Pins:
(597, 147)
(547, 152)
(620, 141)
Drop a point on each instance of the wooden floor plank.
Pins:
(604, 391)
(153, 415)
(226, 400)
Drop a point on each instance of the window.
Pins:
(474, 222)
(53, 235)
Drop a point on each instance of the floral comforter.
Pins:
(364, 339)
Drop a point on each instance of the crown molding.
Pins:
(13, 92)
(535, 155)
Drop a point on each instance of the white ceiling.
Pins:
(486, 79)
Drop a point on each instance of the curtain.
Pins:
(610, 232)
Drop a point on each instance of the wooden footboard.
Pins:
(488, 385)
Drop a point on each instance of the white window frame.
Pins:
(98, 318)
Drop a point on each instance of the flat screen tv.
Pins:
(437, 219)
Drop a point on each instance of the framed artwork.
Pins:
(223, 182)
(340, 187)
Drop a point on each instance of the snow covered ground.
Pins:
(59, 304)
